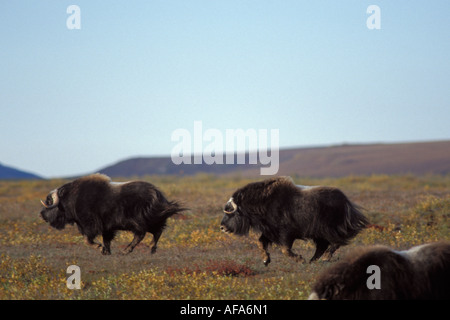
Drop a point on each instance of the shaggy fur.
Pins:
(101, 207)
(422, 272)
(284, 212)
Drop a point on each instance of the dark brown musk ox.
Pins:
(420, 273)
(283, 212)
(99, 206)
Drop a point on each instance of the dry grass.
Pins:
(194, 259)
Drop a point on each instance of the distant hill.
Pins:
(11, 173)
(334, 161)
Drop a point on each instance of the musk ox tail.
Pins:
(354, 220)
(170, 208)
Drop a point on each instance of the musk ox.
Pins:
(421, 273)
(283, 212)
(99, 206)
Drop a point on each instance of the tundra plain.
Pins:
(194, 260)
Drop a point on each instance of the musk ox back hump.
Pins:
(422, 272)
(347, 279)
(431, 263)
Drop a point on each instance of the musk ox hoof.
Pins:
(106, 252)
(328, 259)
(266, 262)
(299, 259)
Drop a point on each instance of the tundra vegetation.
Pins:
(194, 259)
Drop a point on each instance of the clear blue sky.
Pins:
(73, 101)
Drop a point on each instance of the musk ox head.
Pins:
(53, 211)
(249, 203)
(58, 207)
(234, 220)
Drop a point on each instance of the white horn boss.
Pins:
(233, 205)
(55, 200)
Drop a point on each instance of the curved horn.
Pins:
(43, 203)
(233, 205)
(55, 200)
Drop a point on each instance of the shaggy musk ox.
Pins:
(101, 207)
(284, 212)
(423, 272)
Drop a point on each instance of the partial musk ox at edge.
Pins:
(99, 206)
(284, 212)
(420, 273)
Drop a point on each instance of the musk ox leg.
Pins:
(136, 240)
(154, 242)
(90, 241)
(286, 249)
(321, 247)
(328, 255)
(263, 243)
(108, 236)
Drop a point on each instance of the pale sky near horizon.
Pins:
(74, 101)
